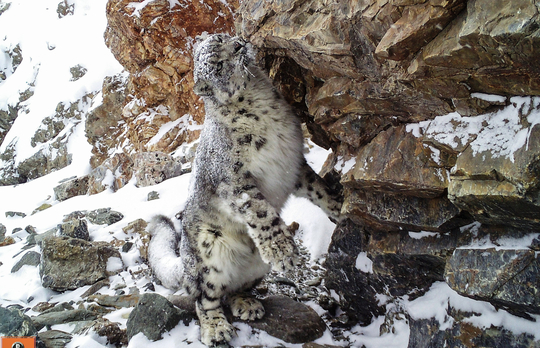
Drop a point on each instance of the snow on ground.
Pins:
(52, 45)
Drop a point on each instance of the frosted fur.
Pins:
(162, 254)
(249, 160)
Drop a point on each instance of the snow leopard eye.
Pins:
(237, 46)
(219, 66)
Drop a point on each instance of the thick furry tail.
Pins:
(162, 252)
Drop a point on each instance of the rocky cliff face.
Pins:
(431, 109)
(422, 104)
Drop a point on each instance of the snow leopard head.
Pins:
(222, 66)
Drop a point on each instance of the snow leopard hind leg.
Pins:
(311, 186)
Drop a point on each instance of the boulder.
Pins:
(7, 117)
(356, 289)
(69, 263)
(462, 334)
(508, 278)
(2, 233)
(289, 320)
(61, 317)
(31, 258)
(104, 216)
(151, 168)
(71, 188)
(397, 162)
(105, 328)
(155, 315)
(74, 228)
(13, 322)
(482, 40)
(103, 124)
(113, 173)
(55, 338)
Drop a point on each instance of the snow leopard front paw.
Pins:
(215, 329)
(246, 307)
(217, 332)
(280, 251)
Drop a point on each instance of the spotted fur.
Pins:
(249, 160)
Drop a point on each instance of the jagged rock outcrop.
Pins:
(402, 93)
(438, 173)
(153, 41)
(49, 140)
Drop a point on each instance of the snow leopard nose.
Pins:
(239, 44)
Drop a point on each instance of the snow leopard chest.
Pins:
(256, 139)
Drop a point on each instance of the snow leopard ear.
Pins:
(202, 37)
(203, 88)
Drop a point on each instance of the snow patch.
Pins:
(489, 97)
(114, 264)
(364, 263)
(344, 166)
(500, 133)
(422, 234)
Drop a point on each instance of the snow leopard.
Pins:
(248, 161)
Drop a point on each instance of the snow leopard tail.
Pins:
(162, 252)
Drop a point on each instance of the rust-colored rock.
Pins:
(397, 161)
(417, 27)
(153, 41)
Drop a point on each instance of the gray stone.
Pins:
(31, 258)
(77, 72)
(151, 168)
(289, 320)
(359, 302)
(62, 317)
(55, 338)
(104, 216)
(74, 228)
(427, 333)
(118, 301)
(59, 307)
(71, 188)
(4, 7)
(38, 239)
(15, 214)
(155, 315)
(13, 322)
(8, 172)
(152, 195)
(2, 233)
(69, 263)
(495, 177)
(509, 278)
(398, 211)
(95, 287)
(16, 57)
